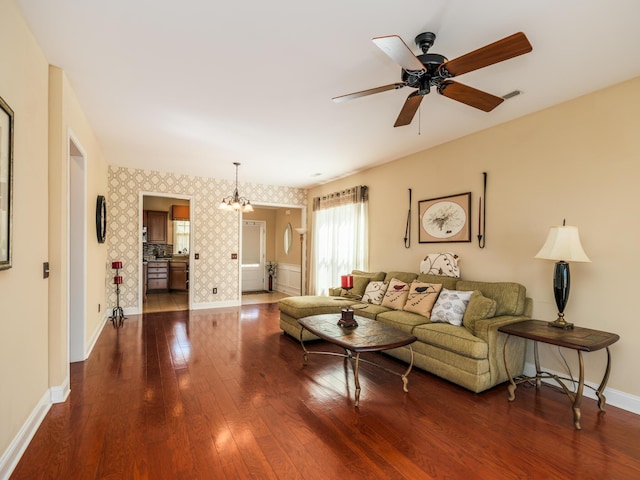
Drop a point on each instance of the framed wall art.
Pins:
(6, 183)
(445, 219)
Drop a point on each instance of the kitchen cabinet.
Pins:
(157, 275)
(156, 226)
(178, 275)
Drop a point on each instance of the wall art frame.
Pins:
(6, 185)
(445, 219)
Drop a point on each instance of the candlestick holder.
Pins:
(117, 314)
(346, 319)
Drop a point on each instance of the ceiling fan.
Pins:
(434, 70)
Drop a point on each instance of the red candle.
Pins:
(117, 279)
(116, 265)
(347, 281)
(479, 215)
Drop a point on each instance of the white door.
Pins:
(253, 256)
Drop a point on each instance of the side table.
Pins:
(578, 339)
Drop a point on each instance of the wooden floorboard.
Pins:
(224, 394)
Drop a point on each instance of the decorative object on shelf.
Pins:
(482, 214)
(6, 184)
(117, 315)
(235, 201)
(272, 269)
(563, 245)
(407, 230)
(301, 231)
(445, 219)
(346, 319)
(101, 218)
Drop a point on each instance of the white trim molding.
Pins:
(20, 442)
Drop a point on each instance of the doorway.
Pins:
(253, 255)
(165, 236)
(77, 262)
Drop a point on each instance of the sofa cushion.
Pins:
(396, 295)
(450, 306)
(369, 310)
(452, 338)
(298, 307)
(447, 282)
(480, 307)
(509, 296)
(374, 293)
(401, 320)
(373, 276)
(360, 283)
(406, 277)
(422, 296)
(445, 264)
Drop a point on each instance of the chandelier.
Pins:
(235, 201)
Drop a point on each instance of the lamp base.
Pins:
(347, 320)
(561, 323)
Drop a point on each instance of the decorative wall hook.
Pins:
(482, 215)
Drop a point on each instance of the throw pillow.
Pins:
(479, 307)
(450, 306)
(360, 282)
(445, 264)
(374, 293)
(422, 296)
(396, 294)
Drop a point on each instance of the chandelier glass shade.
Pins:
(235, 201)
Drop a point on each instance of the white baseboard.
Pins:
(94, 337)
(20, 442)
(615, 398)
(204, 306)
(60, 393)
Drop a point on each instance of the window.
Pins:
(340, 237)
(180, 236)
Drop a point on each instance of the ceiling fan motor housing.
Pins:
(421, 79)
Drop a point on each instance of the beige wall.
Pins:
(23, 291)
(578, 161)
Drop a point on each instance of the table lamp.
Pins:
(562, 245)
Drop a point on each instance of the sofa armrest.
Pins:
(486, 326)
(487, 329)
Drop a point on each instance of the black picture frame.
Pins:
(101, 218)
(445, 219)
(6, 185)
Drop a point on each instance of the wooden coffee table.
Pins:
(368, 336)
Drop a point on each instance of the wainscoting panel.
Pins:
(288, 279)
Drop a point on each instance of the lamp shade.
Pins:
(563, 243)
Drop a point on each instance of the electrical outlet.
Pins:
(234, 256)
(99, 308)
(215, 290)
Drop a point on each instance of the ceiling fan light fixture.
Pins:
(235, 202)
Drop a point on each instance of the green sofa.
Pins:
(470, 355)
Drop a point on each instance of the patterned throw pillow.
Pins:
(396, 294)
(421, 297)
(450, 306)
(445, 264)
(374, 292)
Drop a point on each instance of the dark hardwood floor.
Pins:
(223, 393)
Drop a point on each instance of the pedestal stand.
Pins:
(117, 314)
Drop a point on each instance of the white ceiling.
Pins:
(192, 86)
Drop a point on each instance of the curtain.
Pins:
(340, 237)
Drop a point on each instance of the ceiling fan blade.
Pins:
(399, 52)
(371, 91)
(409, 109)
(469, 95)
(509, 47)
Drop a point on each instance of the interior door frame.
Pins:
(192, 228)
(263, 247)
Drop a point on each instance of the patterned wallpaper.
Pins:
(215, 232)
